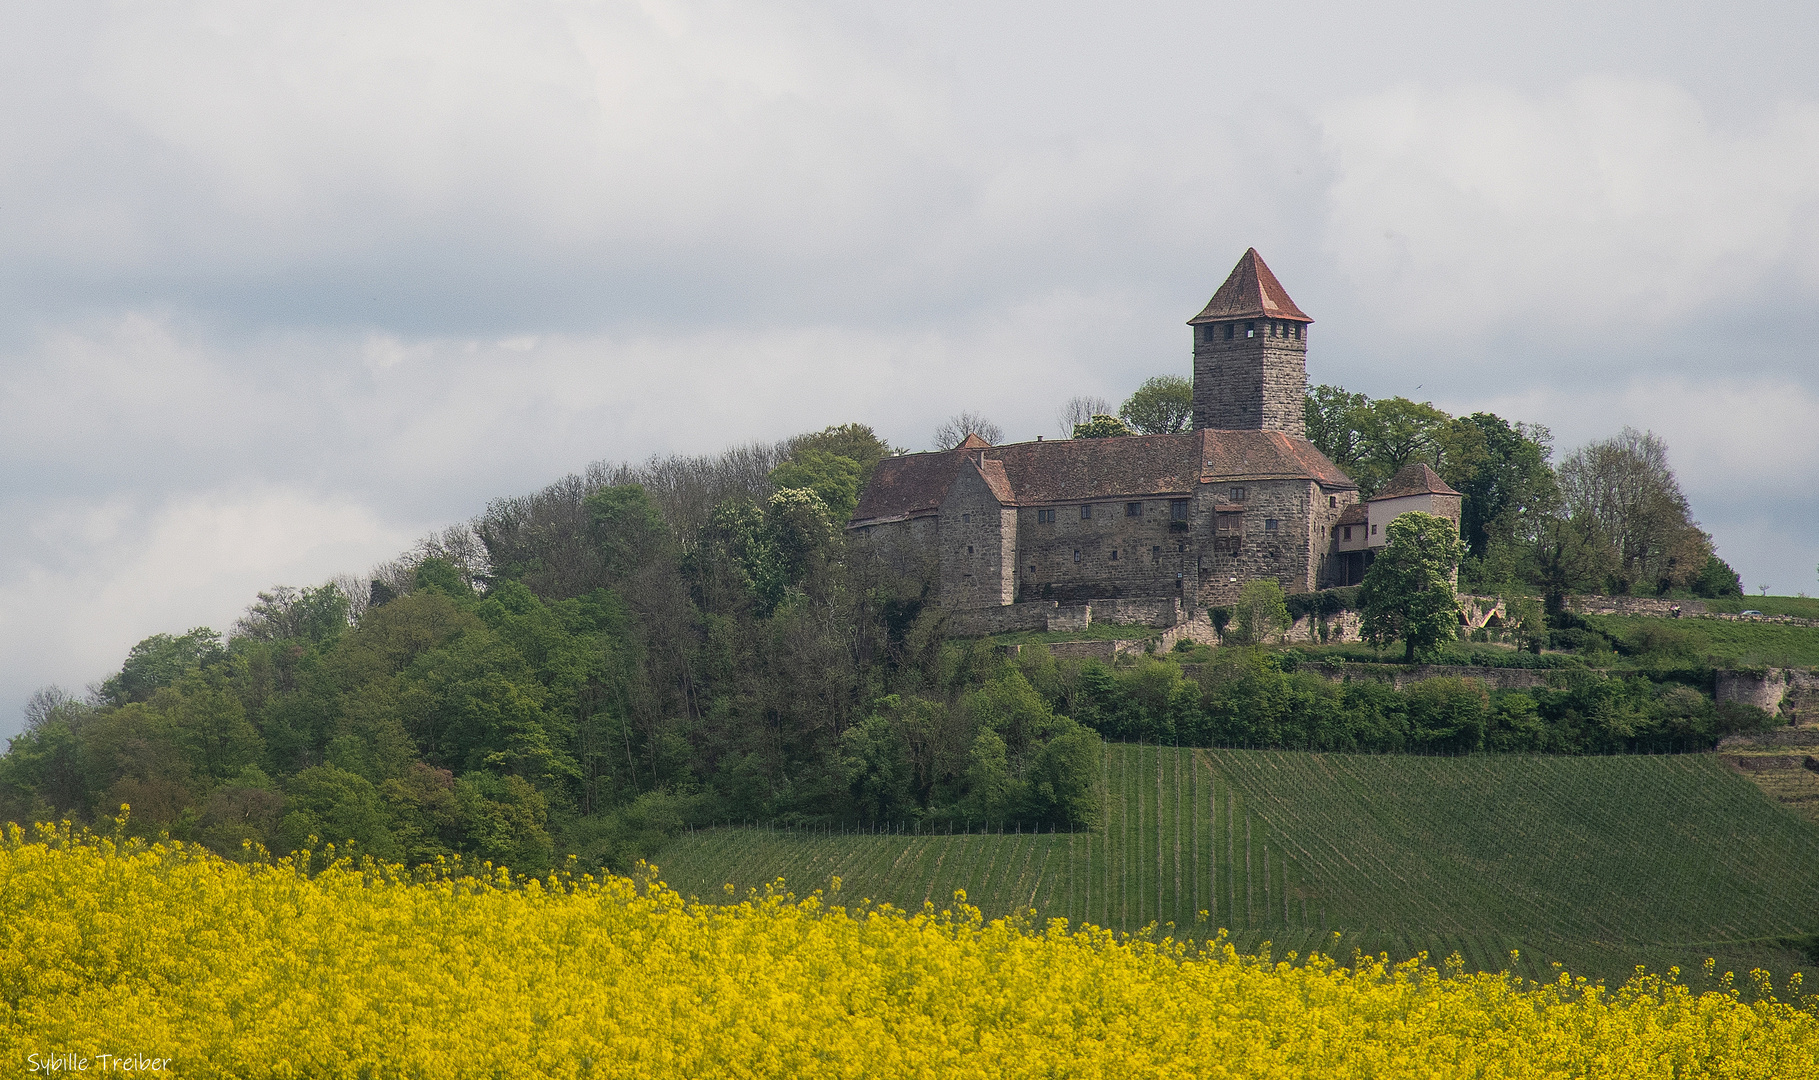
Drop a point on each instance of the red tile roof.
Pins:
(992, 472)
(1265, 455)
(1250, 292)
(972, 442)
(1082, 470)
(909, 486)
(1355, 514)
(1413, 479)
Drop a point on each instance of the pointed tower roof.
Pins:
(973, 442)
(1250, 292)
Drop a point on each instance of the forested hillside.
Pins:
(641, 649)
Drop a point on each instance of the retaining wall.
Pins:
(1789, 691)
(1058, 618)
(1400, 676)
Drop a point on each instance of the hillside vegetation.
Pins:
(1600, 863)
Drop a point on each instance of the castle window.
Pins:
(1373, 530)
(1032, 568)
(1295, 331)
(1086, 512)
(1045, 516)
(1332, 501)
(1114, 554)
(1156, 552)
(1076, 554)
(1348, 533)
(1177, 509)
(967, 518)
(1239, 494)
(1229, 328)
(1133, 509)
(1250, 329)
(969, 549)
(1269, 525)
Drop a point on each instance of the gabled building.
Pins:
(1191, 516)
(1360, 530)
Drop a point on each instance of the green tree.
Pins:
(1163, 405)
(1101, 427)
(627, 527)
(801, 532)
(1717, 579)
(504, 819)
(1625, 489)
(878, 773)
(1062, 783)
(1262, 611)
(1332, 416)
(833, 477)
(160, 660)
(1408, 591)
(335, 806)
(1393, 432)
(855, 442)
(284, 614)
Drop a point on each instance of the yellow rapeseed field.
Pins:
(160, 954)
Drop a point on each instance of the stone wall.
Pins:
(1284, 553)
(1005, 619)
(1632, 605)
(1108, 555)
(978, 545)
(1062, 618)
(1347, 626)
(1250, 383)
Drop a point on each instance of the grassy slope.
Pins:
(1801, 607)
(1723, 643)
(1598, 863)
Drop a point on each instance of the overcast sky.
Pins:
(284, 287)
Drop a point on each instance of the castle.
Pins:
(1187, 518)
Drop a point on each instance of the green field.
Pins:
(1597, 863)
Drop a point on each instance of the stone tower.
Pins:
(1250, 354)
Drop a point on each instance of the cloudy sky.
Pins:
(284, 287)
